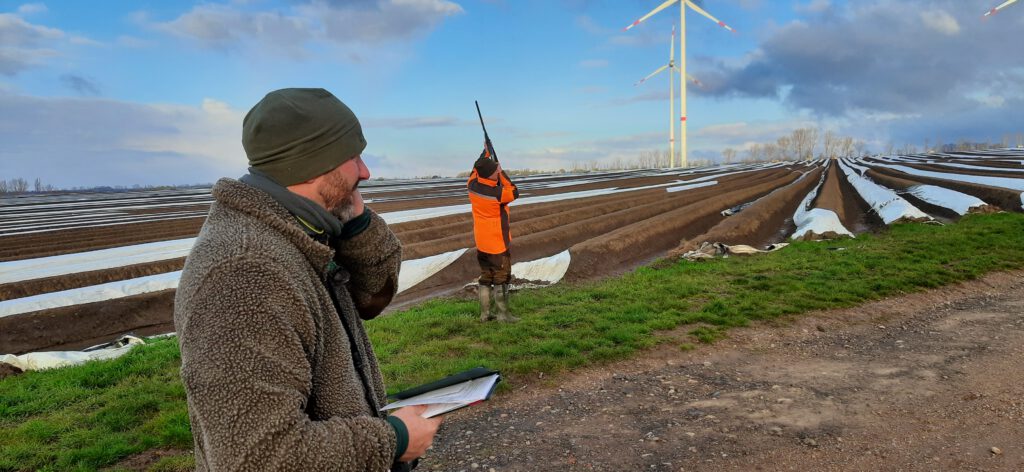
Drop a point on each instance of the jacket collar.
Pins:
(261, 206)
(483, 180)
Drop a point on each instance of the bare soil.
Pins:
(67, 241)
(613, 251)
(838, 195)
(935, 167)
(146, 459)
(80, 326)
(28, 288)
(927, 381)
(761, 222)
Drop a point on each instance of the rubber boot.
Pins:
(501, 301)
(484, 292)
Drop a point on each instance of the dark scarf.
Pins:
(318, 223)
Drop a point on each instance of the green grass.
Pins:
(92, 416)
(85, 417)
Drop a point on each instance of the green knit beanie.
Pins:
(296, 134)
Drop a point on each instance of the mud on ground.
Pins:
(928, 381)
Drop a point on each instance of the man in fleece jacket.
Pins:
(277, 367)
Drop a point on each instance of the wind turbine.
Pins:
(682, 57)
(1000, 7)
(671, 66)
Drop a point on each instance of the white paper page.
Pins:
(439, 409)
(459, 394)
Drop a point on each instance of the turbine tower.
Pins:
(682, 58)
(671, 66)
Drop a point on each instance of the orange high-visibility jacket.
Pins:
(490, 201)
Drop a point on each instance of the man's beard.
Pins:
(337, 195)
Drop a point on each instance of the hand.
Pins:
(421, 430)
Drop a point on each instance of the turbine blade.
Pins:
(651, 75)
(694, 80)
(1000, 7)
(690, 78)
(652, 13)
(716, 20)
(672, 46)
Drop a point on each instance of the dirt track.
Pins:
(929, 381)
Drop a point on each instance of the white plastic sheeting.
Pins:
(548, 269)
(417, 270)
(889, 206)
(820, 221)
(54, 359)
(974, 167)
(424, 213)
(709, 250)
(816, 220)
(1004, 182)
(412, 272)
(94, 293)
(29, 269)
(961, 203)
(99, 223)
(149, 252)
(681, 188)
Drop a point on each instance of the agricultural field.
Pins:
(80, 269)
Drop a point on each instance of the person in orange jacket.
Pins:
(490, 192)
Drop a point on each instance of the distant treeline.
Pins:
(20, 185)
(803, 144)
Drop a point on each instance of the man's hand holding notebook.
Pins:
(450, 393)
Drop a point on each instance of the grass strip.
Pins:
(92, 416)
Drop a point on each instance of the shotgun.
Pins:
(487, 139)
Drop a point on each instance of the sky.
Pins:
(151, 92)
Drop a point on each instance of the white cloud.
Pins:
(594, 63)
(133, 42)
(940, 21)
(15, 60)
(25, 45)
(210, 133)
(742, 134)
(231, 27)
(92, 141)
(225, 27)
(874, 55)
(83, 41)
(32, 8)
(815, 6)
(586, 23)
(18, 33)
(415, 122)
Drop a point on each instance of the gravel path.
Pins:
(928, 381)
